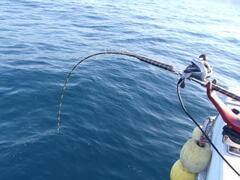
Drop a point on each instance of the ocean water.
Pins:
(121, 119)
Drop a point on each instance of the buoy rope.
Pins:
(196, 123)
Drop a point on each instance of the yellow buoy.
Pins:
(178, 172)
(195, 158)
(196, 134)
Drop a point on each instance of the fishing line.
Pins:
(196, 123)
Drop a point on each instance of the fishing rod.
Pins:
(197, 72)
(159, 64)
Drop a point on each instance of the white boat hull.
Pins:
(218, 169)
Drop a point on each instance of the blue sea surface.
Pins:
(121, 119)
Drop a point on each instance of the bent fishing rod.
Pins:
(198, 72)
(159, 64)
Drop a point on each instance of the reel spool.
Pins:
(199, 69)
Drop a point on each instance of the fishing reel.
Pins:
(199, 69)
